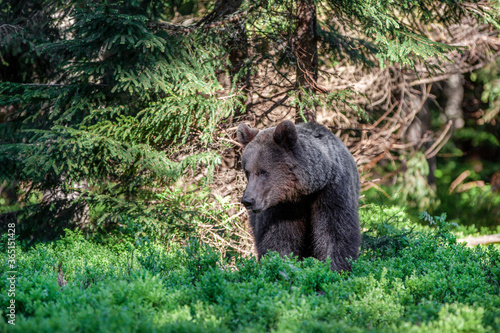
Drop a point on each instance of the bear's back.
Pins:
(316, 134)
(326, 157)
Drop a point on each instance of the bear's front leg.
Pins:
(281, 229)
(335, 229)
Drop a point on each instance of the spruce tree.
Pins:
(93, 139)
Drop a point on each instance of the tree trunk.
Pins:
(417, 130)
(306, 51)
(454, 92)
(237, 44)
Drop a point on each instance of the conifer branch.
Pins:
(61, 84)
(204, 23)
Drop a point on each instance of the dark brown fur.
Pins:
(302, 192)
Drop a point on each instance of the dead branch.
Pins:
(481, 240)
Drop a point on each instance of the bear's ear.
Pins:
(245, 134)
(285, 134)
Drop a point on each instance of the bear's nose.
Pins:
(247, 202)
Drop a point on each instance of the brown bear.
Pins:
(302, 192)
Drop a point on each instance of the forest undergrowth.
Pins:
(407, 278)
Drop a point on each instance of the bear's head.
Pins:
(271, 165)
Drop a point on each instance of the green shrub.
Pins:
(426, 283)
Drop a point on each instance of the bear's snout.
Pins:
(247, 202)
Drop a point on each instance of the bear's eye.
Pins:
(261, 173)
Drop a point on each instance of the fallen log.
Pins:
(481, 240)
